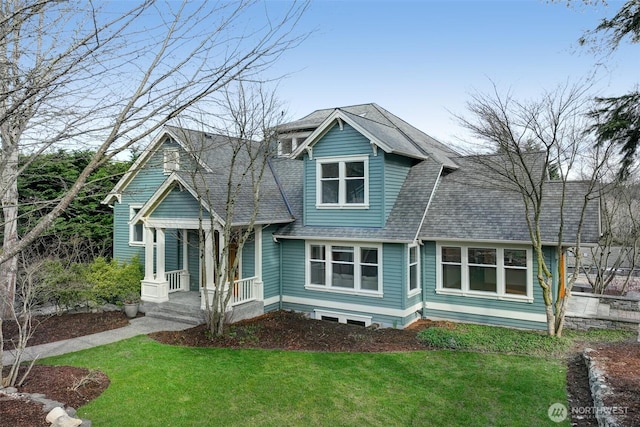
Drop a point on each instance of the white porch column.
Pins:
(155, 288)
(259, 288)
(184, 277)
(148, 254)
(160, 253)
(208, 271)
(185, 249)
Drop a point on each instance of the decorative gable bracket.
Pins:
(374, 147)
(309, 150)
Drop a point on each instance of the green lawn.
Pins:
(159, 385)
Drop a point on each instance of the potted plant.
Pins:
(131, 302)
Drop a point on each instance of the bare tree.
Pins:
(614, 259)
(555, 125)
(242, 145)
(72, 74)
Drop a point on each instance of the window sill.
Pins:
(136, 243)
(346, 206)
(344, 291)
(414, 292)
(484, 295)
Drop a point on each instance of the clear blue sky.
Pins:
(421, 59)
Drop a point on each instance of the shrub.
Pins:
(444, 338)
(493, 339)
(115, 282)
(66, 286)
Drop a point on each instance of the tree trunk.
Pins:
(9, 269)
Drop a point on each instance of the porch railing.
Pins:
(178, 280)
(243, 291)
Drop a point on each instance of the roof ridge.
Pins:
(365, 117)
(415, 144)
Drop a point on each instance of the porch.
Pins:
(189, 306)
(191, 254)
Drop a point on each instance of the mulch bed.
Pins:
(61, 327)
(287, 331)
(293, 331)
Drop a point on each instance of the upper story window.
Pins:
(498, 272)
(342, 182)
(171, 161)
(136, 231)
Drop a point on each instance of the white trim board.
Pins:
(484, 311)
(353, 307)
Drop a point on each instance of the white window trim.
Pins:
(416, 291)
(171, 160)
(132, 213)
(342, 191)
(342, 317)
(328, 266)
(500, 286)
(294, 146)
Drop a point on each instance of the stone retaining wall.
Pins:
(614, 312)
(584, 324)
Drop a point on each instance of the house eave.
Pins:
(341, 239)
(502, 242)
(337, 116)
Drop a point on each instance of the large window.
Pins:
(485, 271)
(344, 268)
(136, 231)
(342, 182)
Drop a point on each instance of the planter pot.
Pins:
(131, 310)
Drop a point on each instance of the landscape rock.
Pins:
(58, 417)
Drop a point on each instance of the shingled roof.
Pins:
(400, 136)
(218, 152)
(471, 205)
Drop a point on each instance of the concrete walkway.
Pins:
(137, 326)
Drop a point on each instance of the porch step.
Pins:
(180, 311)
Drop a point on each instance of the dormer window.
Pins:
(288, 145)
(342, 182)
(171, 161)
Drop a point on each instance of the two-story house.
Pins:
(362, 219)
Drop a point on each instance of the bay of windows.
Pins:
(344, 267)
(484, 271)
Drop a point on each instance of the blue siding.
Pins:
(249, 258)
(396, 169)
(270, 263)
(393, 278)
(344, 142)
(137, 192)
(177, 204)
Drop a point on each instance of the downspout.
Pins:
(415, 239)
(280, 276)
